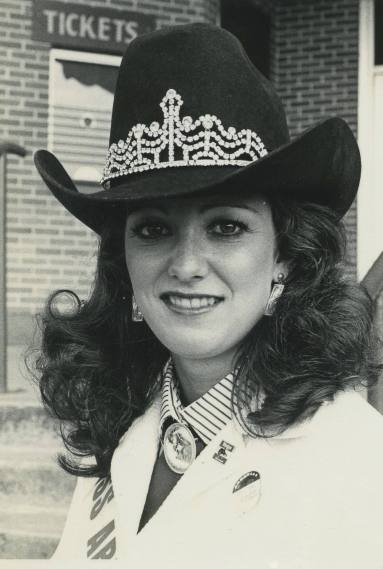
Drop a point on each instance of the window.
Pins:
(378, 32)
(251, 24)
(80, 104)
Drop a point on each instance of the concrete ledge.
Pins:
(34, 522)
(18, 545)
(45, 484)
(26, 422)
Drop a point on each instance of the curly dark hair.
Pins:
(98, 371)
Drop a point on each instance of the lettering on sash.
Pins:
(99, 539)
(100, 487)
(99, 502)
(102, 544)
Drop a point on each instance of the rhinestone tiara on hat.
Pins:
(181, 142)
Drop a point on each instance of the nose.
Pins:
(188, 260)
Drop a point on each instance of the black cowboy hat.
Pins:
(192, 114)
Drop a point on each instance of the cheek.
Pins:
(133, 265)
(137, 275)
(143, 271)
(253, 269)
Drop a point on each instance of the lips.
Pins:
(182, 302)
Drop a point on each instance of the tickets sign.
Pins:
(84, 27)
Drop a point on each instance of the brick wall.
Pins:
(46, 247)
(315, 67)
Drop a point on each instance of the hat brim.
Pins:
(322, 165)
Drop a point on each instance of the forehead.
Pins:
(254, 202)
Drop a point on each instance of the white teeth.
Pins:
(192, 303)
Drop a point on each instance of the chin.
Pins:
(196, 348)
(196, 354)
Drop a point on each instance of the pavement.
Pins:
(34, 492)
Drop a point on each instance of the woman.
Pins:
(207, 386)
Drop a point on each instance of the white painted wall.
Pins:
(370, 137)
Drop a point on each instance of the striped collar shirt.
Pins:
(207, 415)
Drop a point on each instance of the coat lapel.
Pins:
(133, 463)
(298, 511)
(132, 467)
(131, 470)
(208, 471)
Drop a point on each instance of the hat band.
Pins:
(181, 142)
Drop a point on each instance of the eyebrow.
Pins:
(229, 204)
(202, 209)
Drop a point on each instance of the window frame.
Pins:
(79, 57)
(367, 69)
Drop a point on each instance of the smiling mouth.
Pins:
(189, 303)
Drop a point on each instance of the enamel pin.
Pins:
(221, 454)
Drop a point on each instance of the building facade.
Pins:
(58, 64)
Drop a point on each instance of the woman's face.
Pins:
(202, 270)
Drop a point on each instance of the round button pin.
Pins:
(246, 480)
(179, 447)
(247, 492)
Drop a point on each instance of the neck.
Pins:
(197, 376)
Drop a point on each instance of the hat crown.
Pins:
(209, 68)
(191, 90)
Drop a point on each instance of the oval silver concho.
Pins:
(179, 447)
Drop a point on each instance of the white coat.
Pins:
(317, 504)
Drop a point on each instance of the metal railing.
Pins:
(5, 149)
(373, 282)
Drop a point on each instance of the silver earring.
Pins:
(276, 293)
(137, 315)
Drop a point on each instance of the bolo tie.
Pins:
(179, 445)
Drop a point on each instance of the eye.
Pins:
(228, 227)
(151, 230)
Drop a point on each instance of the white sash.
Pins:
(101, 543)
